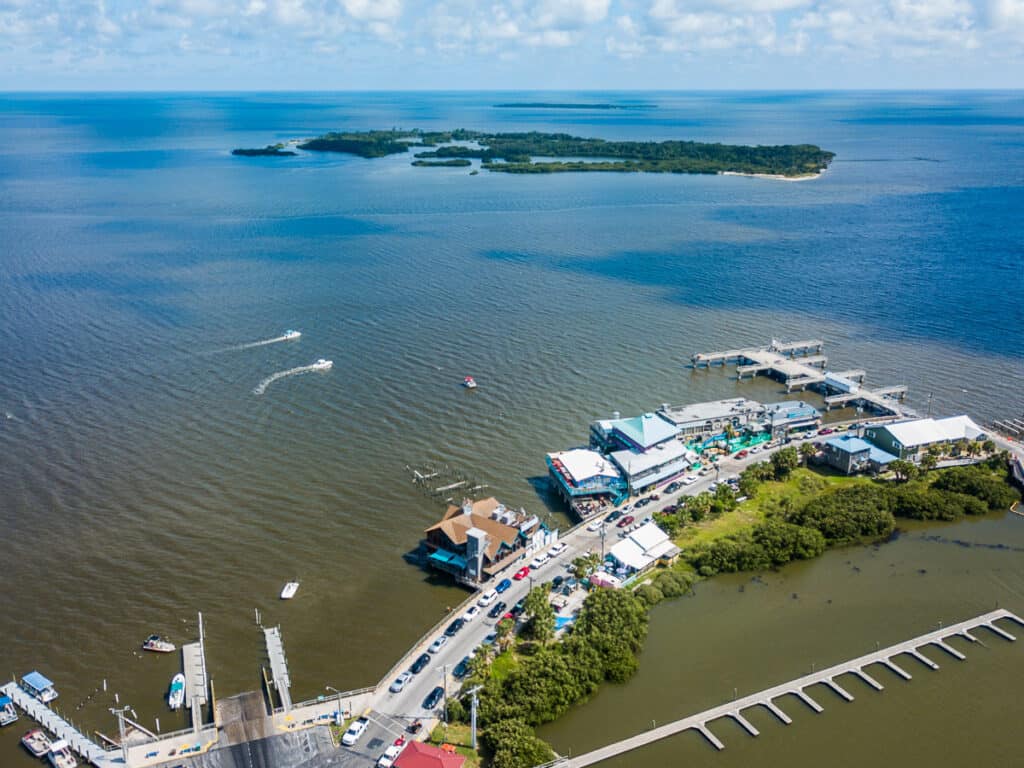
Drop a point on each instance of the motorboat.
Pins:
(8, 714)
(176, 694)
(290, 334)
(36, 742)
(157, 644)
(289, 590)
(60, 755)
(39, 687)
(469, 382)
(322, 365)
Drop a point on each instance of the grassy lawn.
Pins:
(797, 488)
(458, 735)
(503, 664)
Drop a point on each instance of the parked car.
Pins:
(390, 755)
(400, 681)
(497, 609)
(491, 639)
(642, 503)
(454, 627)
(438, 644)
(673, 487)
(502, 586)
(487, 598)
(433, 698)
(538, 561)
(689, 480)
(743, 454)
(613, 516)
(421, 661)
(462, 668)
(826, 431)
(627, 520)
(355, 731)
(522, 573)
(595, 526)
(557, 582)
(472, 613)
(557, 549)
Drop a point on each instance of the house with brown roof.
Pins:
(478, 538)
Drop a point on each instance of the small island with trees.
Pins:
(271, 150)
(515, 153)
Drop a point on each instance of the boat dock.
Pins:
(767, 698)
(801, 365)
(279, 666)
(86, 748)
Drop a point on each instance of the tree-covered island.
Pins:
(515, 153)
(272, 150)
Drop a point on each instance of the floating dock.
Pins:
(86, 748)
(279, 666)
(733, 709)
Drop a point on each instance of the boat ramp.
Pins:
(767, 698)
(801, 365)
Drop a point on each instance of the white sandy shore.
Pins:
(776, 176)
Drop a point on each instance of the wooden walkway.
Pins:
(701, 721)
(279, 666)
(86, 748)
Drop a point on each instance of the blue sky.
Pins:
(509, 44)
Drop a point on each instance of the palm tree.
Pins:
(929, 460)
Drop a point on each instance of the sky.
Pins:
(510, 44)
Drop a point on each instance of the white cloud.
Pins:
(373, 10)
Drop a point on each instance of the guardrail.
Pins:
(333, 697)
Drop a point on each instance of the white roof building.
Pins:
(643, 547)
(928, 431)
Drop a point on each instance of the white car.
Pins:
(538, 561)
(390, 755)
(487, 598)
(400, 681)
(438, 644)
(558, 549)
(689, 480)
(472, 613)
(595, 526)
(355, 731)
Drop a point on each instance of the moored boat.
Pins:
(60, 755)
(469, 382)
(8, 714)
(157, 644)
(176, 694)
(37, 742)
(289, 590)
(37, 685)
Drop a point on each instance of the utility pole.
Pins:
(444, 710)
(472, 716)
(119, 711)
(339, 719)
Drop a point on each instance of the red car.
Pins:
(627, 520)
(742, 454)
(522, 573)
(826, 431)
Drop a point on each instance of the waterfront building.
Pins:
(474, 540)
(780, 419)
(643, 469)
(712, 418)
(644, 448)
(642, 549)
(586, 480)
(850, 454)
(416, 754)
(907, 439)
(638, 433)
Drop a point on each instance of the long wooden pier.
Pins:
(279, 666)
(86, 748)
(766, 698)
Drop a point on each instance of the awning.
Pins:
(36, 681)
(450, 559)
(4, 701)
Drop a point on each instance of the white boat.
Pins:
(37, 685)
(157, 644)
(289, 590)
(176, 694)
(8, 714)
(322, 365)
(60, 755)
(290, 334)
(469, 382)
(37, 742)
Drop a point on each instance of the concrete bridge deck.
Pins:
(766, 698)
(780, 347)
(279, 666)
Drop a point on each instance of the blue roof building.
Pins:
(851, 454)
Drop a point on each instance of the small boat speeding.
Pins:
(322, 365)
(290, 334)
(469, 382)
(289, 590)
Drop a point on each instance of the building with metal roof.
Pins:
(712, 417)
(850, 454)
(641, 549)
(637, 433)
(642, 469)
(906, 439)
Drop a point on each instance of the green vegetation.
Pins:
(567, 105)
(513, 152)
(271, 150)
(455, 163)
(458, 735)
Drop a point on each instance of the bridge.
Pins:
(766, 698)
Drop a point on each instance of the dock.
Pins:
(800, 365)
(86, 748)
(279, 666)
(766, 698)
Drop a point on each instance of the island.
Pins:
(516, 153)
(271, 150)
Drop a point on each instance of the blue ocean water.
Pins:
(139, 256)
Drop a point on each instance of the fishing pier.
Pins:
(767, 698)
(801, 365)
(86, 748)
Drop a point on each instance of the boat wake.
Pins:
(286, 336)
(319, 365)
